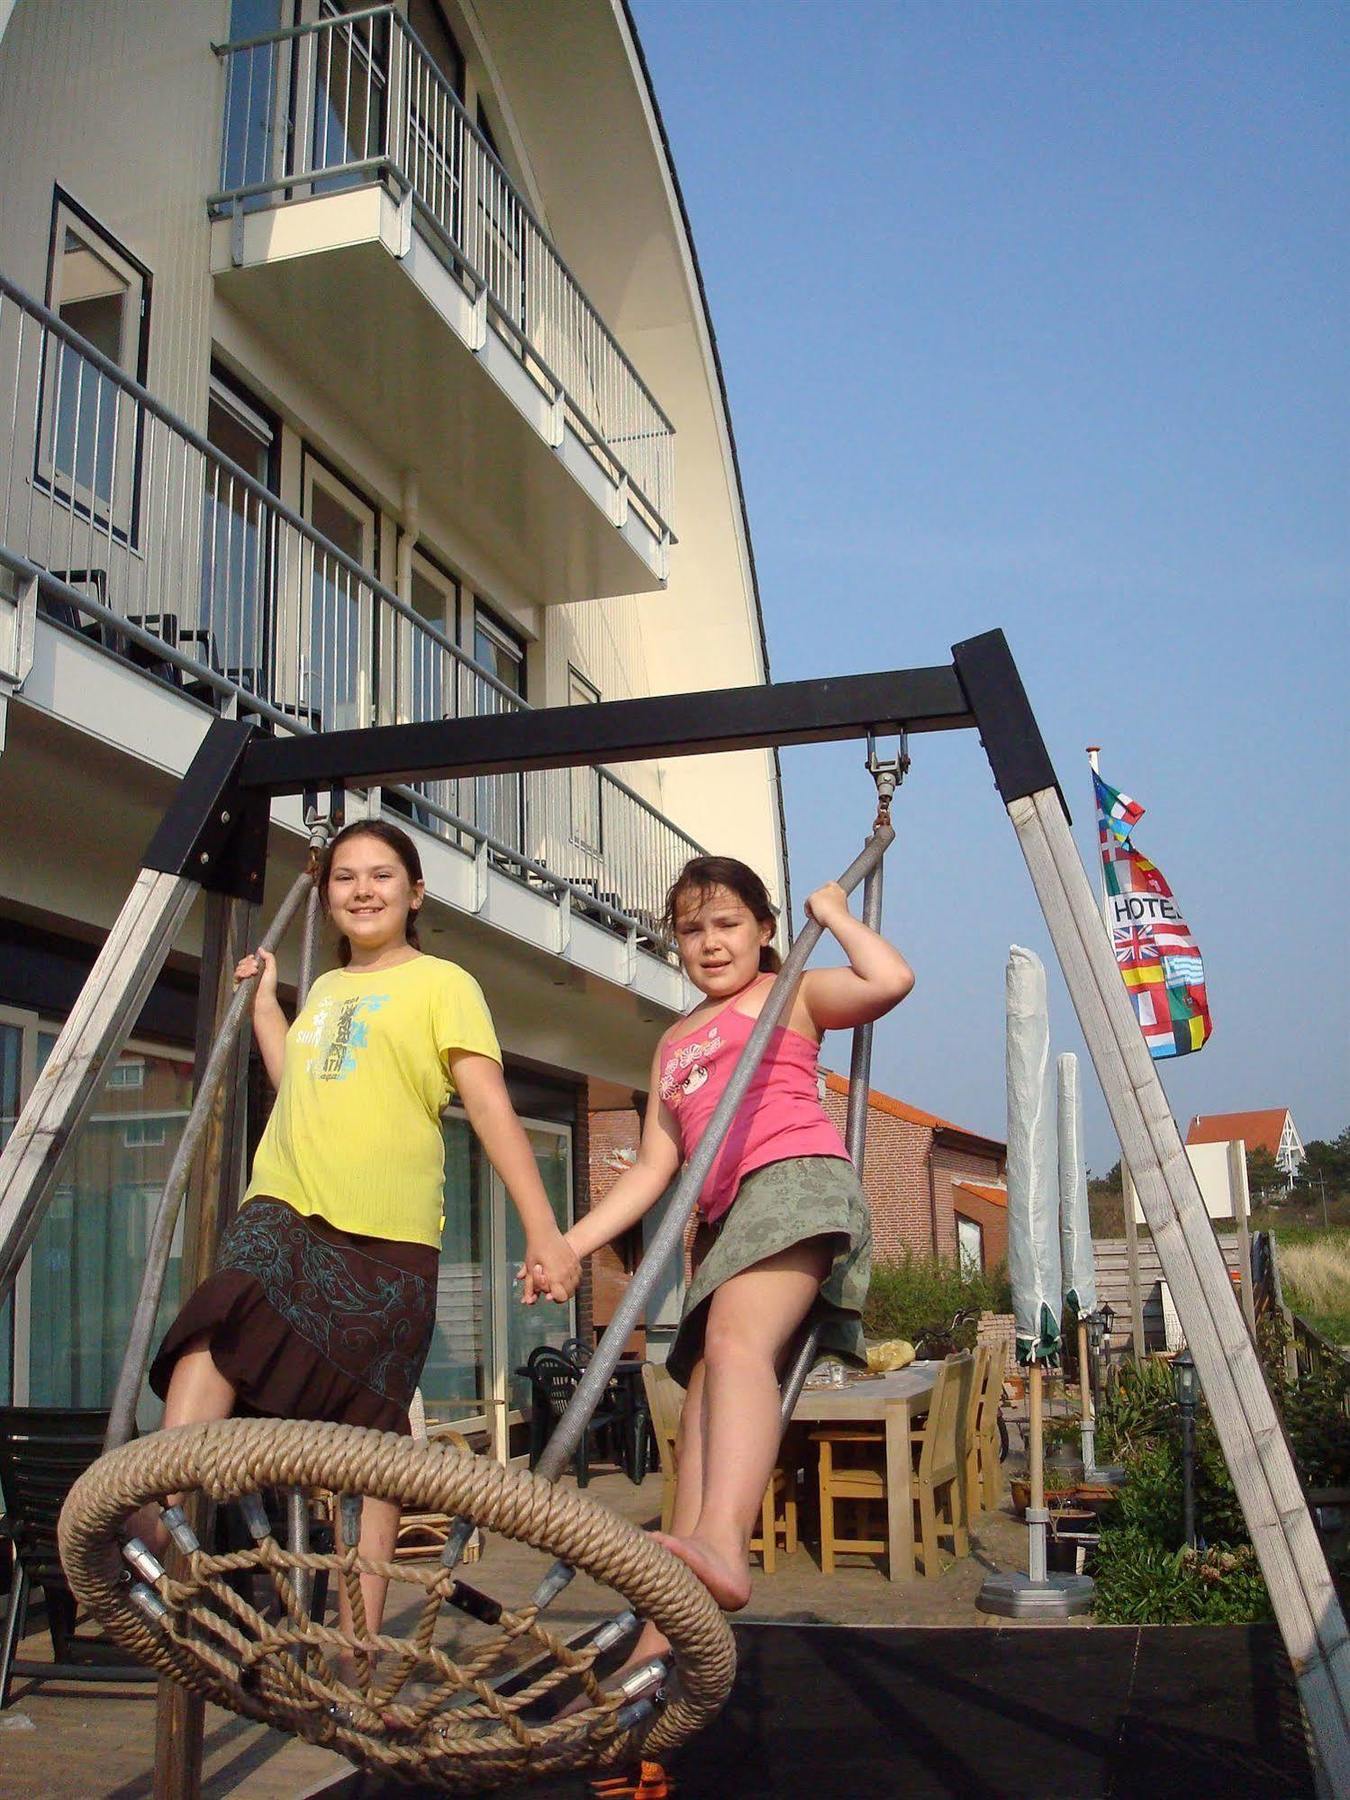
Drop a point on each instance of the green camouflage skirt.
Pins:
(782, 1204)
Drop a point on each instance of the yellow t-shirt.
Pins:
(355, 1133)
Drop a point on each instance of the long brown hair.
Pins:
(404, 849)
(702, 876)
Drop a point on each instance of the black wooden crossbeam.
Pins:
(559, 737)
(214, 828)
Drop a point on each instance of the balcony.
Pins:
(170, 557)
(365, 228)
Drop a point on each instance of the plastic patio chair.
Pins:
(42, 1452)
(553, 1380)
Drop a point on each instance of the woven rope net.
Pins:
(467, 1716)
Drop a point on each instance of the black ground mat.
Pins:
(839, 1713)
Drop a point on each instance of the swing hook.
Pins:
(323, 820)
(888, 772)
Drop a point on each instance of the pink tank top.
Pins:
(780, 1116)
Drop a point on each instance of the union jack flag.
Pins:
(1159, 962)
(1134, 945)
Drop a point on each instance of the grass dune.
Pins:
(1316, 1279)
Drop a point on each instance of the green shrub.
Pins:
(1138, 1409)
(912, 1294)
(1142, 1582)
(1319, 1430)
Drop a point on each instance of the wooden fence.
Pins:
(1113, 1286)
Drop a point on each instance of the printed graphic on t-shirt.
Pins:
(685, 1069)
(338, 1033)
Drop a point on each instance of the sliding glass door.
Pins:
(483, 1333)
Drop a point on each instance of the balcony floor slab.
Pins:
(348, 293)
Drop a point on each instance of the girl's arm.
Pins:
(638, 1189)
(551, 1269)
(269, 1022)
(877, 977)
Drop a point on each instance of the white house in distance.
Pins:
(359, 357)
(1272, 1130)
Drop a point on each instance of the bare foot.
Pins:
(726, 1578)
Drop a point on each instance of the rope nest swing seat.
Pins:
(505, 1696)
(459, 1719)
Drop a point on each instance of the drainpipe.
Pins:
(932, 1196)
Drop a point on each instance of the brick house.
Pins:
(934, 1188)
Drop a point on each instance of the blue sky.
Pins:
(1034, 316)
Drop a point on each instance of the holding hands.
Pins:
(551, 1269)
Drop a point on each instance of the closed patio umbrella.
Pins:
(1075, 1238)
(1035, 1273)
(1033, 1186)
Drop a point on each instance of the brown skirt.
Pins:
(309, 1322)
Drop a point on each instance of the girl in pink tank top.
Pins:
(783, 1225)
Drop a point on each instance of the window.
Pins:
(431, 26)
(434, 597)
(253, 126)
(73, 1301)
(969, 1245)
(584, 784)
(335, 679)
(144, 1134)
(235, 590)
(499, 248)
(88, 446)
(499, 800)
(435, 141)
(500, 650)
(352, 58)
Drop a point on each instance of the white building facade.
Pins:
(355, 370)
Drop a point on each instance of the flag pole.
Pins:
(1126, 1180)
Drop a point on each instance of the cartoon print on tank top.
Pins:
(685, 1070)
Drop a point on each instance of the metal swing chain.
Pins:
(888, 773)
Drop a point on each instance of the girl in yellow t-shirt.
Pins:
(323, 1299)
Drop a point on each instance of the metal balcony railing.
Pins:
(174, 557)
(356, 98)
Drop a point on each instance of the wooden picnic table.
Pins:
(893, 1400)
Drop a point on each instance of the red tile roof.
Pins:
(1258, 1130)
(900, 1109)
(996, 1196)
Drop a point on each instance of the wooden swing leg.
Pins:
(1254, 1445)
(89, 1042)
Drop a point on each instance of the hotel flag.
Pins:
(1158, 958)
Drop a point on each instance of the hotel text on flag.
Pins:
(1158, 958)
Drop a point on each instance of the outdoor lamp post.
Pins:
(1187, 1392)
(1099, 1339)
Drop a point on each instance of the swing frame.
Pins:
(213, 837)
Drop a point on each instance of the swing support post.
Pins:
(214, 837)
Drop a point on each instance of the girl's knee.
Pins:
(734, 1341)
